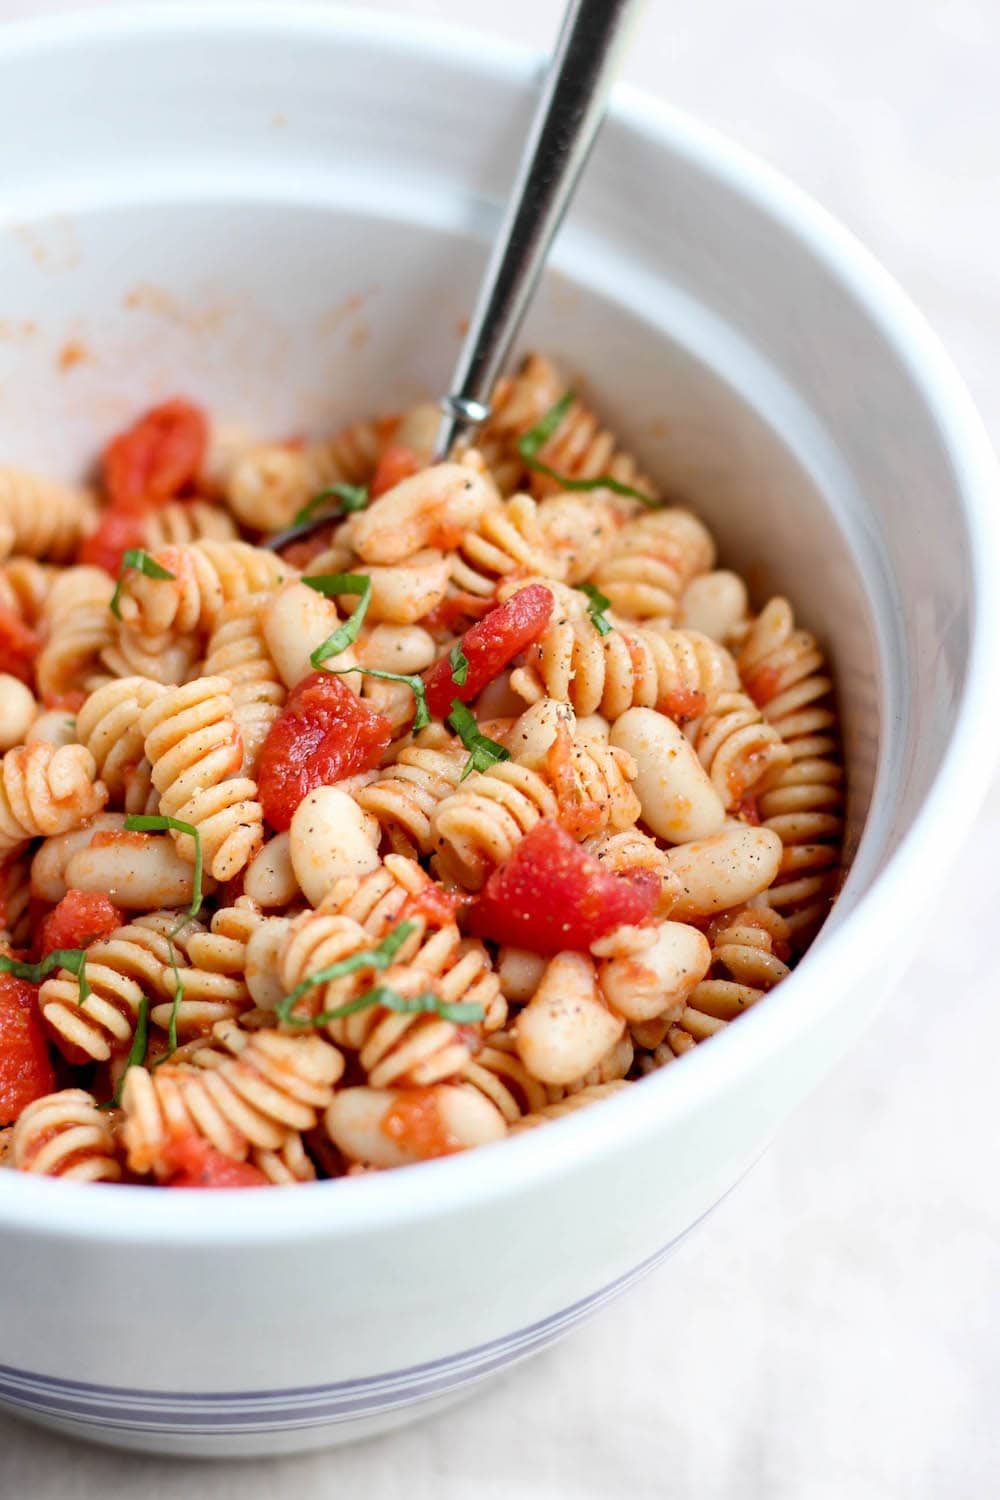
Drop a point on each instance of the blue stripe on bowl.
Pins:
(114, 1408)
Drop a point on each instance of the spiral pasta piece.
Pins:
(591, 1094)
(251, 1089)
(40, 518)
(205, 576)
(237, 650)
(405, 796)
(506, 539)
(654, 559)
(196, 753)
(66, 1135)
(269, 483)
(742, 753)
(784, 672)
(181, 522)
(78, 626)
(25, 585)
(45, 790)
(211, 969)
(107, 723)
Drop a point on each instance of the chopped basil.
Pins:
(423, 1004)
(351, 496)
(598, 604)
(530, 442)
(379, 957)
(140, 562)
(414, 682)
(72, 959)
(332, 585)
(459, 663)
(157, 823)
(483, 752)
(137, 1052)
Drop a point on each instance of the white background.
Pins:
(833, 1333)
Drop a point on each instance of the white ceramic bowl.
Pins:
(283, 212)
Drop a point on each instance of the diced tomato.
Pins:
(434, 905)
(25, 1067)
(158, 457)
(19, 645)
(196, 1164)
(396, 464)
(80, 918)
(748, 812)
(552, 895)
(117, 531)
(489, 645)
(763, 684)
(324, 734)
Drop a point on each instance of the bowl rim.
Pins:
(134, 1215)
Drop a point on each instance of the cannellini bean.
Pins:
(566, 1028)
(330, 836)
(48, 868)
(679, 802)
(724, 871)
(140, 871)
(408, 591)
(262, 963)
(55, 727)
(520, 973)
(656, 979)
(296, 620)
(714, 603)
(430, 509)
(17, 711)
(270, 879)
(398, 648)
(445, 1119)
(532, 737)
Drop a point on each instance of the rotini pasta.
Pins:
(335, 855)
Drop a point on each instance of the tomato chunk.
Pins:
(79, 919)
(488, 646)
(25, 1067)
(158, 457)
(19, 645)
(323, 735)
(551, 895)
(396, 464)
(196, 1164)
(117, 531)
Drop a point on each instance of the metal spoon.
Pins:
(569, 113)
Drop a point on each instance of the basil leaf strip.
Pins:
(414, 682)
(379, 957)
(72, 959)
(157, 823)
(332, 585)
(351, 496)
(598, 604)
(137, 1052)
(140, 562)
(529, 443)
(459, 663)
(484, 752)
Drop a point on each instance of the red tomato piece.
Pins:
(117, 531)
(158, 457)
(489, 645)
(323, 735)
(80, 918)
(25, 1067)
(396, 464)
(551, 895)
(196, 1164)
(19, 645)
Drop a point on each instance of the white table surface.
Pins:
(833, 1333)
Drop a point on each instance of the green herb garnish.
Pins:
(137, 1052)
(72, 959)
(530, 442)
(332, 585)
(423, 1004)
(483, 752)
(157, 823)
(351, 496)
(598, 604)
(414, 682)
(459, 663)
(140, 562)
(379, 957)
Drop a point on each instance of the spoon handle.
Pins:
(590, 46)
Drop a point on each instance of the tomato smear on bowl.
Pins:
(196, 1164)
(25, 1067)
(552, 895)
(19, 645)
(156, 458)
(78, 920)
(488, 646)
(323, 735)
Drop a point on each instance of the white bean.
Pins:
(48, 868)
(679, 802)
(330, 836)
(140, 871)
(459, 1118)
(17, 711)
(406, 592)
(262, 964)
(296, 620)
(55, 727)
(430, 509)
(566, 1028)
(714, 603)
(270, 879)
(398, 648)
(724, 871)
(520, 973)
(657, 979)
(534, 734)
